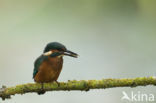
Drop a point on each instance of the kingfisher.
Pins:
(48, 66)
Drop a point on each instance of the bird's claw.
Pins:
(58, 84)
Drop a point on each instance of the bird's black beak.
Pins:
(70, 53)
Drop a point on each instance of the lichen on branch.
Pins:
(82, 85)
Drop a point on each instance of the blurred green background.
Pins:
(114, 38)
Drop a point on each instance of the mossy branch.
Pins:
(83, 85)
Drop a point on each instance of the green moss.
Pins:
(78, 85)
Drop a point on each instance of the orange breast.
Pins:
(49, 70)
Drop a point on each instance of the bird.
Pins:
(48, 65)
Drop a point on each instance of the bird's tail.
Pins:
(41, 92)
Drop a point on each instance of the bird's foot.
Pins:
(57, 83)
(42, 91)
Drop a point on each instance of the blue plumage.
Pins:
(38, 62)
(53, 46)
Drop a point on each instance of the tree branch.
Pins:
(83, 85)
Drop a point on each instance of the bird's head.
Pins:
(58, 49)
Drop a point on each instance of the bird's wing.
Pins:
(38, 62)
